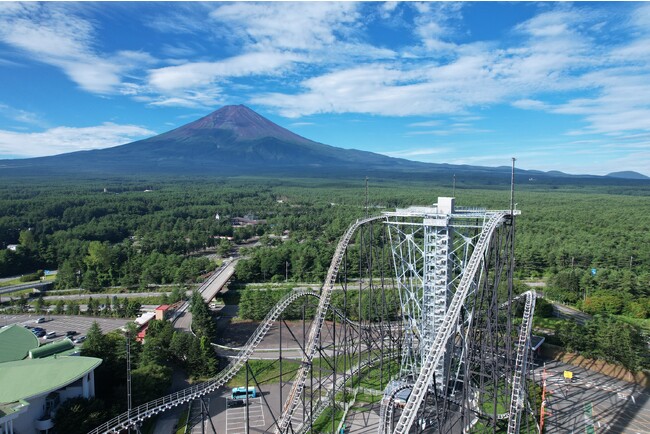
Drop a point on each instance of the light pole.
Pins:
(128, 370)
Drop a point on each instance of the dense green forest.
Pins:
(590, 242)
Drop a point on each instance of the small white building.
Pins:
(34, 380)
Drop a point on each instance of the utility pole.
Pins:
(286, 271)
(128, 370)
(246, 427)
(453, 188)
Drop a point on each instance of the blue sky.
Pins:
(559, 86)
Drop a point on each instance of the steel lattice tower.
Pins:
(431, 247)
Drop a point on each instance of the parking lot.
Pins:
(592, 402)
(236, 416)
(63, 323)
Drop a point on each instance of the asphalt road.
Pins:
(593, 400)
(565, 312)
(167, 421)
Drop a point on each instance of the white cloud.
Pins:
(386, 9)
(292, 25)
(66, 139)
(200, 74)
(557, 51)
(433, 24)
(425, 124)
(417, 152)
(552, 24)
(49, 33)
(19, 115)
(641, 18)
(530, 104)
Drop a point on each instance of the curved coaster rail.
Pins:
(340, 383)
(316, 326)
(151, 408)
(521, 364)
(447, 327)
(388, 405)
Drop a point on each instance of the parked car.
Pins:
(233, 403)
(79, 339)
(50, 335)
(38, 333)
(40, 320)
(70, 333)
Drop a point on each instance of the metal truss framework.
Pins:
(454, 272)
(425, 300)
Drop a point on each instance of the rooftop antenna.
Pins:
(512, 189)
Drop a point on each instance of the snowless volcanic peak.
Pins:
(243, 122)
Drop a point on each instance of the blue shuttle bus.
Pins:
(241, 392)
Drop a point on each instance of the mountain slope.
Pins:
(233, 139)
(628, 174)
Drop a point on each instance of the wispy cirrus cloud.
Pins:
(20, 115)
(418, 152)
(287, 26)
(557, 52)
(470, 75)
(51, 33)
(67, 139)
(433, 123)
(200, 74)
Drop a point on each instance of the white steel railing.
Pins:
(521, 364)
(446, 329)
(315, 330)
(151, 408)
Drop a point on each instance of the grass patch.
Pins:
(367, 398)
(324, 422)
(182, 421)
(548, 323)
(17, 294)
(373, 378)
(266, 372)
(15, 281)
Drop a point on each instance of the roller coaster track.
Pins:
(340, 382)
(388, 405)
(316, 326)
(447, 327)
(151, 408)
(521, 364)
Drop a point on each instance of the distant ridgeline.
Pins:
(236, 141)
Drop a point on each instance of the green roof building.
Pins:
(35, 380)
(15, 342)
